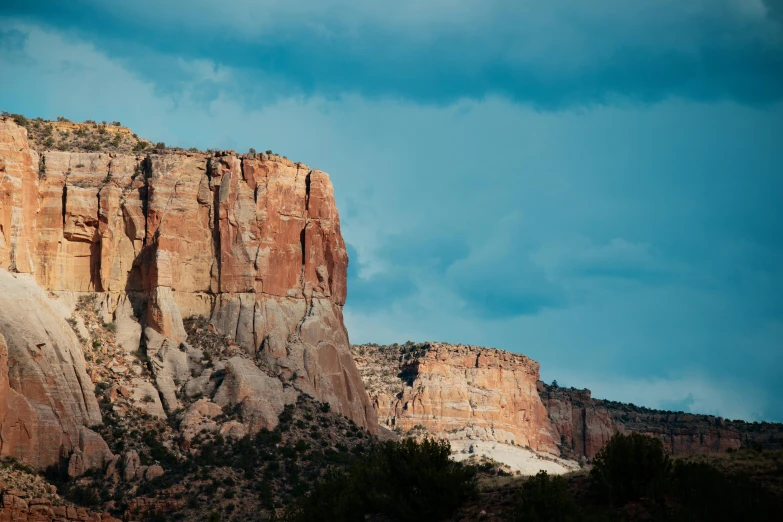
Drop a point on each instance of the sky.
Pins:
(596, 185)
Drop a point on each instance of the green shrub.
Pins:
(544, 499)
(20, 120)
(406, 481)
(704, 493)
(631, 467)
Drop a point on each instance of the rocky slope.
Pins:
(250, 243)
(24, 496)
(457, 392)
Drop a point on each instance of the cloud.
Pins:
(498, 278)
(561, 53)
(582, 258)
(12, 40)
(690, 392)
(378, 291)
(684, 404)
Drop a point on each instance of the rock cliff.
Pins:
(482, 394)
(457, 392)
(581, 425)
(250, 242)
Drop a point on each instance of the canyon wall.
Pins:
(252, 242)
(483, 394)
(457, 392)
(582, 425)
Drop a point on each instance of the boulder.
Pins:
(131, 463)
(47, 399)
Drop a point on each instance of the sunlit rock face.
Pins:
(252, 242)
(457, 392)
(47, 401)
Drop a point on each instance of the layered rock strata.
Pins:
(14, 506)
(457, 392)
(582, 425)
(466, 392)
(252, 242)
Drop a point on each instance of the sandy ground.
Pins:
(527, 462)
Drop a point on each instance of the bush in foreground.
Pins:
(544, 499)
(631, 467)
(405, 481)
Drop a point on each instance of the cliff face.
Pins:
(466, 392)
(457, 392)
(582, 425)
(252, 242)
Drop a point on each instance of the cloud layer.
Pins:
(554, 54)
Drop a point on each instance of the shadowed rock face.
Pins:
(457, 392)
(252, 242)
(582, 425)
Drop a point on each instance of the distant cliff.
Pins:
(581, 425)
(459, 392)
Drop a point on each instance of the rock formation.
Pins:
(252, 242)
(582, 425)
(46, 398)
(482, 394)
(458, 392)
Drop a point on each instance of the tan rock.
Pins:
(198, 417)
(465, 392)
(262, 397)
(233, 430)
(131, 463)
(154, 471)
(128, 335)
(146, 398)
(583, 425)
(46, 397)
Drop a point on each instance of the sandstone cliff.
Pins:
(457, 392)
(482, 394)
(251, 242)
(581, 425)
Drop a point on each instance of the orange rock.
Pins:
(251, 242)
(583, 425)
(458, 391)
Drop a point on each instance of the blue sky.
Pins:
(594, 184)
